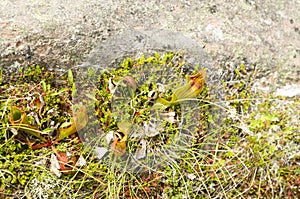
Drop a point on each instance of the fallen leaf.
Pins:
(65, 164)
(109, 137)
(151, 129)
(141, 152)
(54, 165)
(80, 162)
(100, 152)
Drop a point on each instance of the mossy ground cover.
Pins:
(255, 153)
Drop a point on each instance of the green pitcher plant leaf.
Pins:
(77, 123)
(19, 121)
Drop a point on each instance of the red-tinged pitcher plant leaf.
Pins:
(39, 146)
(193, 88)
(19, 121)
(190, 90)
(77, 123)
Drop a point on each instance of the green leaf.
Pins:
(15, 115)
(70, 77)
(0, 76)
(66, 124)
(92, 97)
(59, 92)
(47, 131)
(44, 86)
(74, 90)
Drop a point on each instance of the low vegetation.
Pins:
(163, 131)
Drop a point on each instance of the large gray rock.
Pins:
(60, 34)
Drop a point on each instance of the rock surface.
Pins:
(59, 34)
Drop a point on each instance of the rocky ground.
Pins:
(262, 35)
(59, 34)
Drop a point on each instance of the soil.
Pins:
(60, 34)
